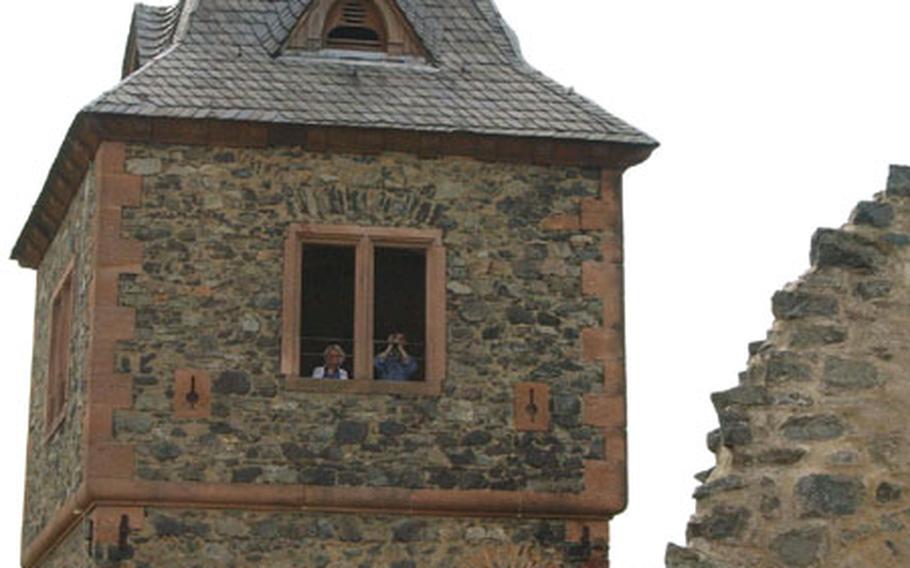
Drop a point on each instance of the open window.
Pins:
(372, 299)
(61, 313)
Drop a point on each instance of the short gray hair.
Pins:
(336, 348)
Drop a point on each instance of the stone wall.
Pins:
(813, 450)
(55, 464)
(73, 552)
(213, 224)
(229, 539)
(532, 253)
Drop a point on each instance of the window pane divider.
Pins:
(363, 311)
(435, 329)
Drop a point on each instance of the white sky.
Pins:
(775, 118)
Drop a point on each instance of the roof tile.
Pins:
(227, 64)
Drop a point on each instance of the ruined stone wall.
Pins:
(54, 464)
(813, 450)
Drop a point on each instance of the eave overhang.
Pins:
(88, 130)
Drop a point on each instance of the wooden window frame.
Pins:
(60, 327)
(365, 240)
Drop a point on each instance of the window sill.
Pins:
(411, 388)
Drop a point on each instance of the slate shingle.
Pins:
(227, 62)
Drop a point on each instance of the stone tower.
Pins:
(813, 449)
(381, 191)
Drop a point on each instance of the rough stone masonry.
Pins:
(813, 449)
(212, 223)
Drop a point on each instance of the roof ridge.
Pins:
(152, 30)
(187, 11)
(497, 20)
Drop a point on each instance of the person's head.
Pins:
(333, 356)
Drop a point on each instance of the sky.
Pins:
(775, 118)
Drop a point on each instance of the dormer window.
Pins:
(355, 24)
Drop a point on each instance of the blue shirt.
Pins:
(394, 369)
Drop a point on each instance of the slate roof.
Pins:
(152, 31)
(223, 59)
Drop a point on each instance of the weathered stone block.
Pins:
(817, 336)
(792, 305)
(722, 485)
(143, 166)
(786, 366)
(781, 456)
(872, 289)
(769, 505)
(678, 557)
(899, 240)
(850, 374)
(409, 530)
(477, 438)
(813, 428)
(166, 526)
(801, 547)
(232, 382)
(735, 429)
(823, 495)
(391, 428)
(517, 315)
(723, 523)
(741, 396)
(166, 451)
(888, 492)
(874, 213)
(756, 347)
(792, 399)
(840, 249)
(246, 474)
(351, 432)
(713, 440)
(899, 181)
(702, 476)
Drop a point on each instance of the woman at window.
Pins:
(333, 356)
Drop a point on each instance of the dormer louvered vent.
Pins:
(354, 13)
(355, 24)
(363, 25)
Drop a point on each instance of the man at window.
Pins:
(333, 357)
(395, 364)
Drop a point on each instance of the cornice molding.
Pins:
(88, 130)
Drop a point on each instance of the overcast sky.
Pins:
(775, 118)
